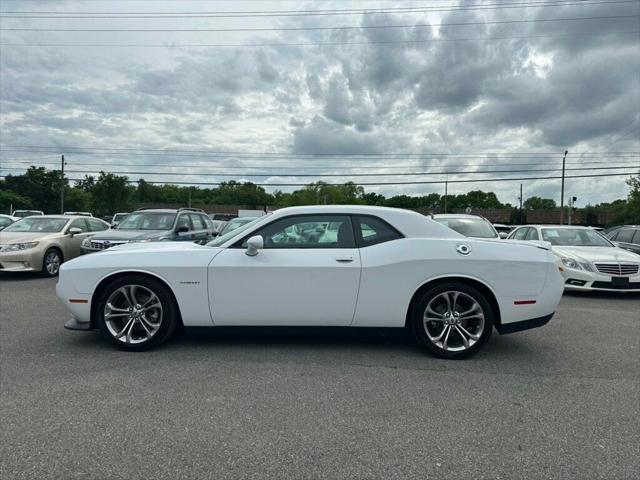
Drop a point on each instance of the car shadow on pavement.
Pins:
(20, 276)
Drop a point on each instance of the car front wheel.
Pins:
(452, 320)
(137, 313)
(51, 262)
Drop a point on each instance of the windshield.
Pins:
(575, 237)
(37, 224)
(240, 226)
(148, 221)
(469, 227)
(4, 221)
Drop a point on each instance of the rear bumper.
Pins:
(524, 325)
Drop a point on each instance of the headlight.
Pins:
(570, 263)
(14, 247)
(586, 266)
(86, 242)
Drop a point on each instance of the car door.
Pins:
(200, 231)
(184, 221)
(71, 244)
(308, 273)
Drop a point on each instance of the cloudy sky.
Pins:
(451, 86)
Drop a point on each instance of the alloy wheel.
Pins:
(133, 314)
(52, 263)
(453, 321)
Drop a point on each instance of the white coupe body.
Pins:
(588, 261)
(355, 284)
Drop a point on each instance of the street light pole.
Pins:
(62, 164)
(562, 189)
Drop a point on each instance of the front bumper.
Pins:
(21, 261)
(580, 280)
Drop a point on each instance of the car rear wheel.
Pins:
(51, 263)
(137, 313)
(452, 320)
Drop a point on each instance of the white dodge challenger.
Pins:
(352, 266)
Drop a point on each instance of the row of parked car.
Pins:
(589, 259)
(41, 243)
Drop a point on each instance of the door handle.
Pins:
(344, 259)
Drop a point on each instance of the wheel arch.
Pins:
(58, 248)
(119, 274)
(485, 289)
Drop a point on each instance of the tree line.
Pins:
(39, 188)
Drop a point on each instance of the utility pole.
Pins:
(446, 189)
(520, 222)
(562, 189)
(62, 164)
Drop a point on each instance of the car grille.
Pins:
(619, 269)
(103, 244)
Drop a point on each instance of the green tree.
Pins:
(40, 186)
(110, 193)
(538, 203)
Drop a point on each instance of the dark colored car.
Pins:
(627, 237)
(155, 225)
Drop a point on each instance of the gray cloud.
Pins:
(538, 94)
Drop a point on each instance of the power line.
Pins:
(55, 149)
(426, 182)
(315, 175)
(306, 13)
(348, 27)
(317, 44)
(395, 166)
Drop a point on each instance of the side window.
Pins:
(636, 237)
(95, 225)
(532, 234)
(372, 230)
(198, 222)
(183, 221)
(308, 231)
(521, 233)
(625, 236)
(80, 223)
(614, 236)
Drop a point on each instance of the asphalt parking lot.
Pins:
(562, 401)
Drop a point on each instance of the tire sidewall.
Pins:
(169, 309)
(421, 304)
(44, 271)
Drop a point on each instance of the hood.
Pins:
(22, 237)
(130, 234)
(154, 247)
(597, 254)
(532, 243)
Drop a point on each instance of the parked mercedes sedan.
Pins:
(588, 260)
(351, 266)
(41, 243)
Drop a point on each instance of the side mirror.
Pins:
(503, 235)
(74, 231)
(254, 244)
(182, 229)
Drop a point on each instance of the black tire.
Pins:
(168, 311)
(434, 297)
(51, 255)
